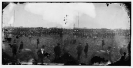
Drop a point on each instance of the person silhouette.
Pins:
(86, 50)
(14, 48)
(79, 51)
(57, 51)
(37, 42)
(41, 53)
(21, 46)
(103, 43)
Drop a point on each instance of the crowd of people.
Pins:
(58, 57)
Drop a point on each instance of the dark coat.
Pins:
(86, 49)
(21, 46)
(79, 49)
(40, 54)
(57, 50)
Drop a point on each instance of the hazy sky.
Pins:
(89, 15)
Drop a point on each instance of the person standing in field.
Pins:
(103, 43)
(86, 50)
(40, 54)
(37, 42)
(79, 51)
(21, 46)
(57, 51)
(14, 48)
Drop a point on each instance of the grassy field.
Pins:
(67, 44)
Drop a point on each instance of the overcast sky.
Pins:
(89, 15)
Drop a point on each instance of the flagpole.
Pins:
(78, 19)
(14, 15)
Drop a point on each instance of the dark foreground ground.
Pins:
(103, 46)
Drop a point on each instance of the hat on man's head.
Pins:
(43, 46)
(58, 43)
(86, 43)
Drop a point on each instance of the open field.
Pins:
(69, 40)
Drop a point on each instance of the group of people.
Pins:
(41, 53)
(80, 48)
(15, 48)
